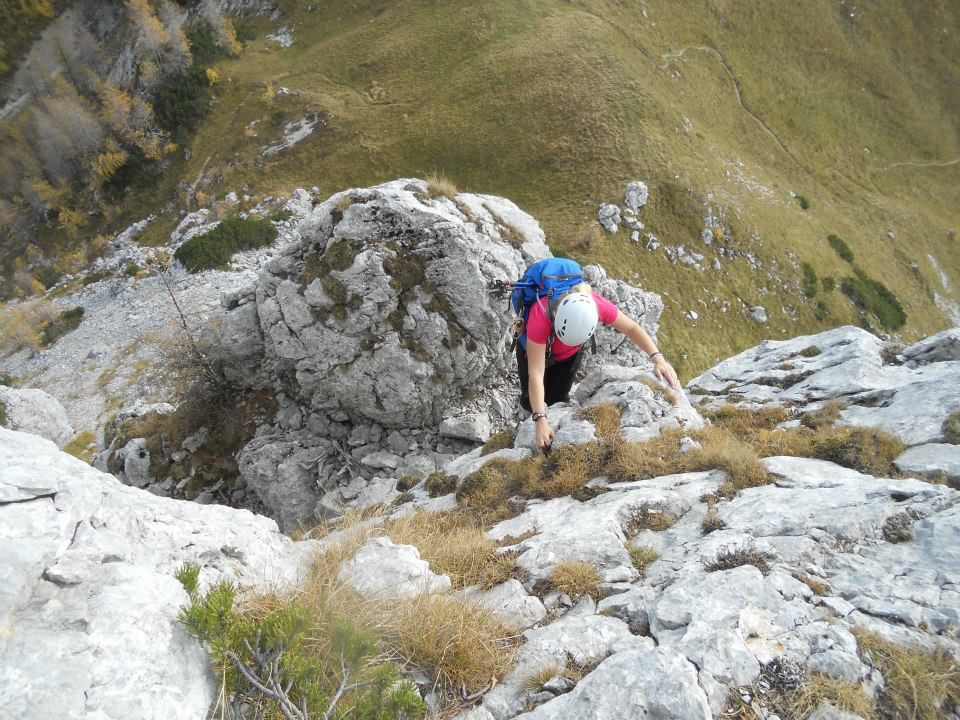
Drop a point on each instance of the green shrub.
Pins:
(822, 311)
(214, 248)
(278, 117)
(804, 203)
(810, 351)
(874, 297)
(3, 414)
(182, 102)
(321, 666)
(843, 250)
(60, 326)
(92, 277)
(280, 215)
(132, 270)
(809, 283)
(828, 283)
(49, 277)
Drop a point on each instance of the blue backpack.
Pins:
(545, 279)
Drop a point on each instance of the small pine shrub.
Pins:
(3, 414)
(828, 283)
(841, 248)
(60, 326)
(804, 203)
(809, 283)
(214, 248)
(182, 101)
(322, 667)
(874, 297)
(822, 310)
(280, 215)
(132, 270)
(810, 351)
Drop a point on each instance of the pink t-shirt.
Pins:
(539, 325)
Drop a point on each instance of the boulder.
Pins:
(942, 347)
(473, 427)
(510, 602)
(636, 196)
(88, 593)
(34, 411)
(638, 683)
(381, 310)
(381, 569)
(931, 461)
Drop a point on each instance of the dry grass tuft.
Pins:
(455, 545)
(576, 578)
(744, 421)
(536, 681)
(866, 450)
(591, 237)
(729, 558)
(917, 684)
(498, 441)
(82, 446)
(439, 484)
(826, 416)
(343, 203)
(461, 645)
(661, 389)
(712, 521)
(817, 586)
(605, 418)
(817, 688)
(642, 557)
(439, 185)
(566, 470)
(646, 518)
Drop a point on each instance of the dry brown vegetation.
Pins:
(498, 441)
(825, 416)
(455, 545)
(541, 677)
(817, 586)
(462, 646)
(711, 521)
(729, 558)
(591, 236)
(647, 518)
(22, 324)
(817, 688)
(576, 578)
(661, 389)
(439, 185)
(918, 685)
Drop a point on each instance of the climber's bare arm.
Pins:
(642, 339)
(536, 366)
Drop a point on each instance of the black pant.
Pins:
(557, 379)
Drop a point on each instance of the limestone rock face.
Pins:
(847, 364)
(88, 594)
(382, 309)
(37, 412)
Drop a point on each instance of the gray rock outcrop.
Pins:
(88, 594)
(846, 364)
(37, 412)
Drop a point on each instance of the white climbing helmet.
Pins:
(576, 319)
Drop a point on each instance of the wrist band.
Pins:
(538, 415)
(655, 354)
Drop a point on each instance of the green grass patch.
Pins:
(92, 277)
(58, 327)
(873, 296)
(214, 248)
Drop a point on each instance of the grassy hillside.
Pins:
(732, 106)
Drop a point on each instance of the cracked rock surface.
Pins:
(88, 597)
